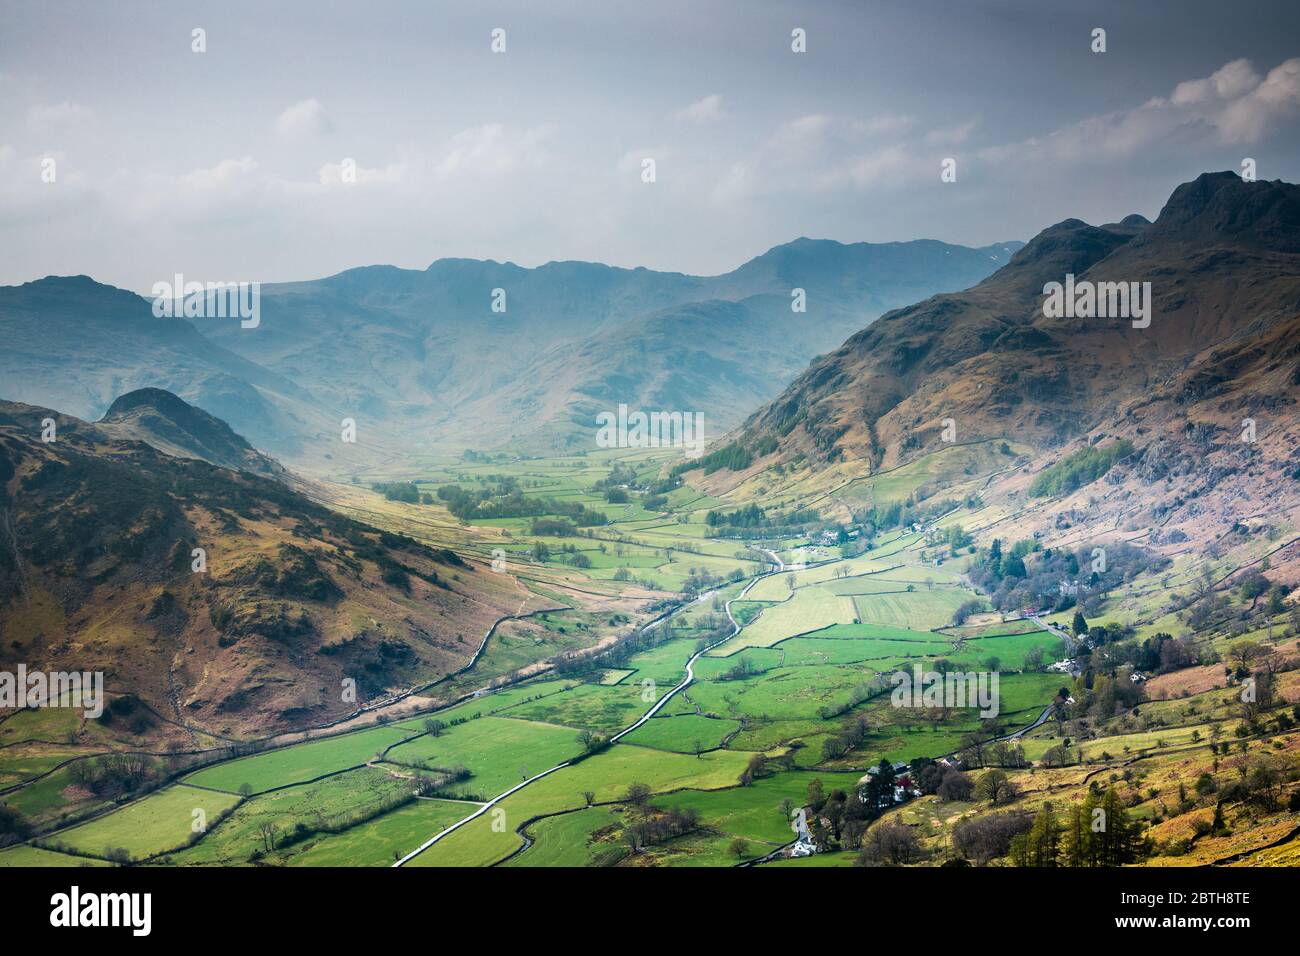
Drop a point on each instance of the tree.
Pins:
(739, 847)
(1058, 756)
(1041, 845)
(638, 794)
(434, 728)
(1243, 653)
(879, 791)
(1080, 625)
(890, 842)
(995, 787)
(268, 831)
(955, 785)
(589, 797)
(987, 837)
(816, 794)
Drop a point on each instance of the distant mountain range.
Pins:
(419, 359)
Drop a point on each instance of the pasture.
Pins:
(299, 762)
(154, 824)
(498, 751)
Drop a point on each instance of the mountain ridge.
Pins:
(418, 358)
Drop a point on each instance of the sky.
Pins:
(228, 164)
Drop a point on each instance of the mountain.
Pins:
(419, 359)
(174, 427)
(1222, 346)
(76, 344)
(721, 357)
(98, 572)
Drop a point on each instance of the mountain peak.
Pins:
(1223, 205)
(166, 421)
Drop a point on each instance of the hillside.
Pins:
(97, 572)
(1223, 259)
(177, 428)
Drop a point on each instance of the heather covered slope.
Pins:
(1205, 397)
(1222, 262)
(96, 572)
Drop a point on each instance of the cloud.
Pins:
(493, 149)
(707, 110)
(885, 125)
(1234, 103)
(878, 168)
(1257, 113)
(303, 119)
(58, 114)
(223, 174)
(952, 134)
(630, 162)
(737, 183)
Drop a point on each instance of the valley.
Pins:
(689, 740)
(1079, 537)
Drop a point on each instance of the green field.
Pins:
(300, 762)
(920, 609)
(755, 812)
(571, 839)
(498, 751)
(596, 707)
(683, 733)
(25, 857)
(332, 802)
(159, 822)
(381, 841)
(807, 610)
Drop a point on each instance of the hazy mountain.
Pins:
(421, 355)
(420, 359)
(75, 344)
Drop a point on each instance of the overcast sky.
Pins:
(225, 165)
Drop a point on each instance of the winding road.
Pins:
(686, 682)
